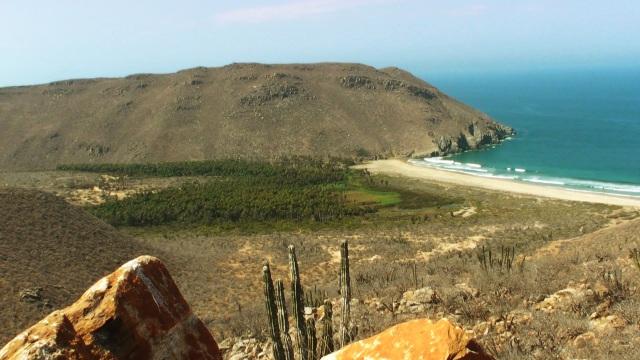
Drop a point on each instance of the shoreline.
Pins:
(403, 168)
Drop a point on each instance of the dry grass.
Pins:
(384, 253)
(400, 248)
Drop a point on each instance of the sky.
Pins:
(48, 40)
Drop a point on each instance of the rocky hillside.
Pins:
(50, 252)
(239, 110)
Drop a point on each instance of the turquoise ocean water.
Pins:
(579, 129)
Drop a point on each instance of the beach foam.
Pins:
(520, 174)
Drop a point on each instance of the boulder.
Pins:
(415, 301)
(566, 299)
(417, 339)
(136, 312)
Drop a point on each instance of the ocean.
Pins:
(575, 129)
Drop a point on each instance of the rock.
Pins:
(607, 324)
(31, 295)
(587, 339)
(519, 318)
(357, 82)
(34, 296)
(564, 299)
(52, 338)
(247, 349)
(417, 339)
(135, 312)
(415, 300)
(467, 291)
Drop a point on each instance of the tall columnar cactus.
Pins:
(297, 300)
(283, 321)
(325, 345)
(272, 313)
(312, 341)
(345, 292)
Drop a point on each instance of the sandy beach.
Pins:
(402, 168)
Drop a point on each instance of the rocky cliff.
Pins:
(137, 312)
(239, 110)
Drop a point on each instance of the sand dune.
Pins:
(398, 167)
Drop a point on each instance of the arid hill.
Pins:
(239, 110)
(50, 252)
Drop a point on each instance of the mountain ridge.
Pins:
(246, 110)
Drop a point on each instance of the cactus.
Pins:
(297, 300)
(325, 345)
(314, 297)
(312, 341)
(635, 257)
(345, 292)
(270, 302)
(283, 321)
(503, 263)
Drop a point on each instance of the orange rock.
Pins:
(136, 312)
(416, 339)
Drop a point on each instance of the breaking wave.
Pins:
(520, 174)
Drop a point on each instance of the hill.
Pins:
(239, 110)
(50, 252)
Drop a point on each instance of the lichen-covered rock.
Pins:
(136, 312)
(417, 339)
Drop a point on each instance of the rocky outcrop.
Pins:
(357, 82)
(270, 92)
(137, 312)
(474, 137)
(364, 82)
(416, 339)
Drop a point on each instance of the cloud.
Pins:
(291, 10)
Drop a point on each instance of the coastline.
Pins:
(403, 168)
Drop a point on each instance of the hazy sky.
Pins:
(45, 40)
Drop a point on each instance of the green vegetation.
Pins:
(283, 194)
(297, 169)
(236, 190)
(229, 200)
